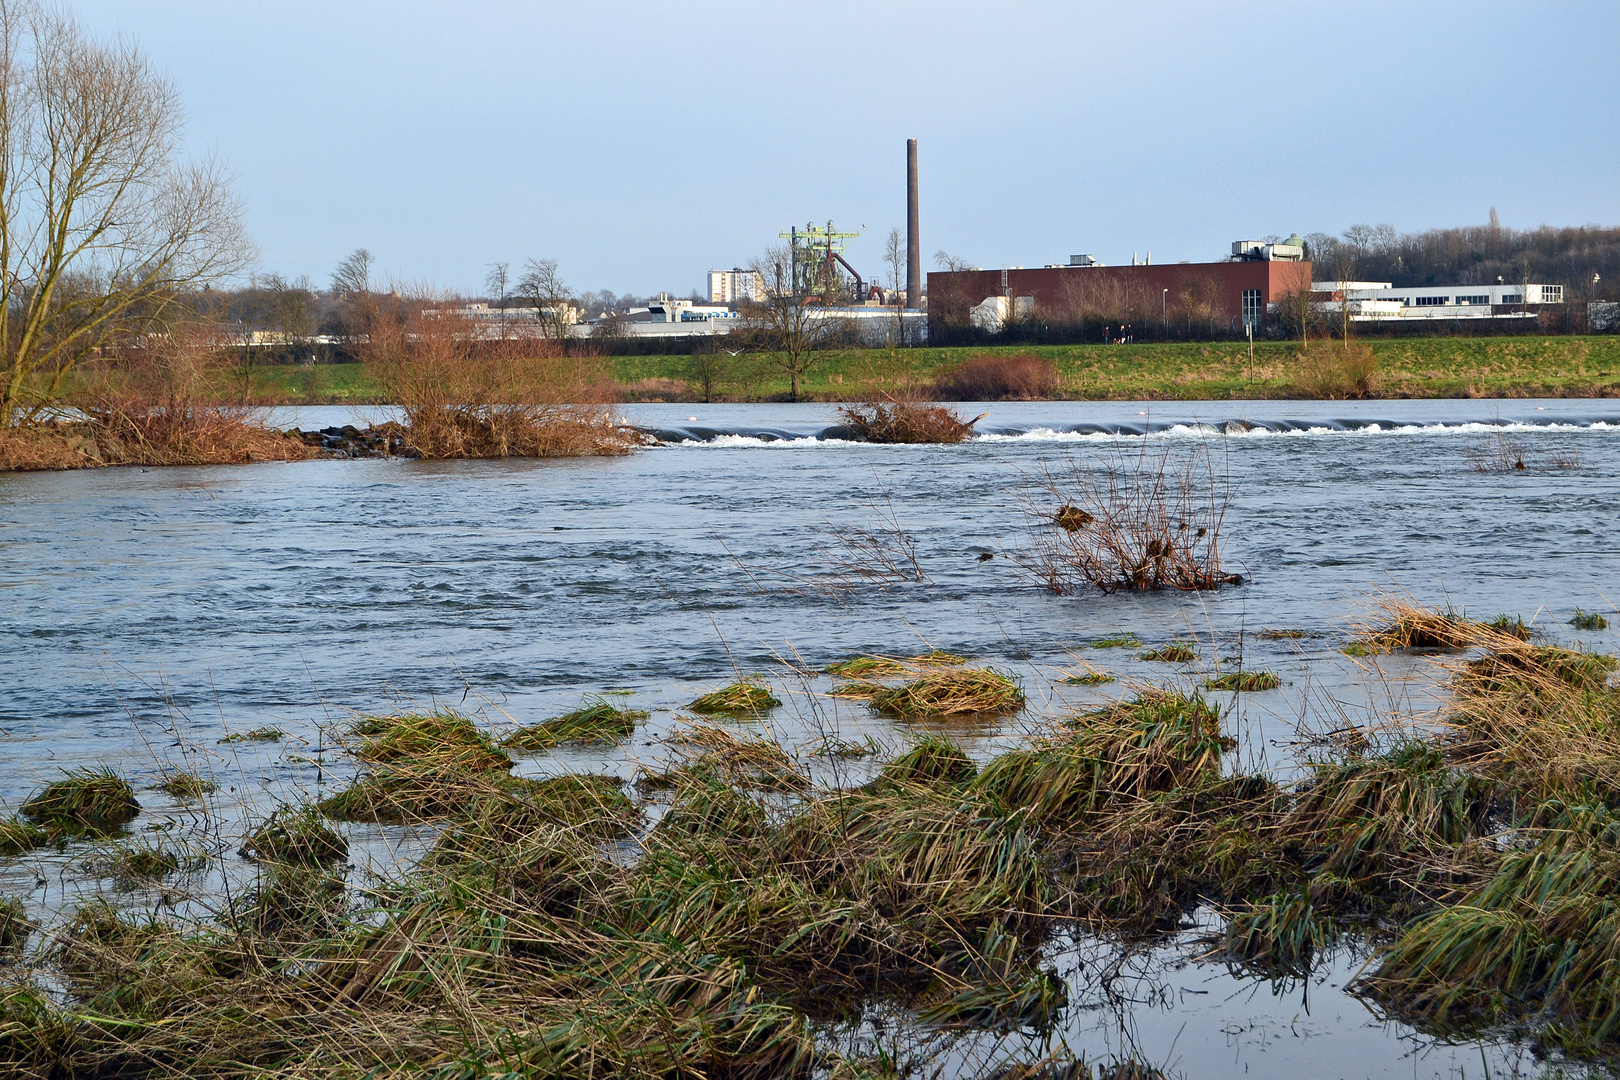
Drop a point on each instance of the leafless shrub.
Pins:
(1022, 377)
(899, 421)
(465, 395)
(1495, 453)
(1348, 370)
(1143, 520)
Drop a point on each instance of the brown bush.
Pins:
(1021, 377)
(159, 402)
(1349, 370)
(468, 394)
(905, 422)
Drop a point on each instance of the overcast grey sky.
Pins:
(642, 144)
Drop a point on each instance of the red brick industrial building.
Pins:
(1225, 293)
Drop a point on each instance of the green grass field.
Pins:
(1410, 367)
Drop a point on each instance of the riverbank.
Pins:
(1216, 371)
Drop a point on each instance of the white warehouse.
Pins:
(1381, 300)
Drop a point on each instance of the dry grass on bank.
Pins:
(987, 377)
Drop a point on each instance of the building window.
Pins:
(1552, 294)
(1254, 308)
(1432, 301)
(1482, 299)
(1513, 298)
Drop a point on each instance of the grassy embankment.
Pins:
(1413, 367)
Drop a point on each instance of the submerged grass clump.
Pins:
(1588, 620)
(960, 692)
(1090, 678)
(1283, 634)
(1177, 652)
(259, 734)
(867, 666)
(84, 799)
(1121, 640)
(295, 835)
(743, 696)
(18, 837)
(594, 721)
(1244, 682)
(186, 785)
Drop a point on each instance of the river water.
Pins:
(145, 614)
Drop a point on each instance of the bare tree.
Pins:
(791, 321)
(496, 281)
(104, 226)
(542, 286)
(352, 278)
(950, 263)
(894, 262)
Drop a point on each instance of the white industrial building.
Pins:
(1381, 300)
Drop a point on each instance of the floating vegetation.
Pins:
(959, 692)
(1177, 652)
(1588, 620)
(895, 421)
(859, 689)
(863, 667)
(1244, 682)
(744, 696)
(1282, 634)
(84, 799)
(1121, 640)
(186, 785)
(259, 734)
(18, 837)
(297, 835)
(1090, 678)
(594, 721)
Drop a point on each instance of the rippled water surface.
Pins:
(147, 613)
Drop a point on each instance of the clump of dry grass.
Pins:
(1347, 370)
(955, 692)
(1177, 652)
(753, 762)
(894, 421)
(865, 666)
(259, 734)
(15, 929)
(1588, 620)
(594, 721)
(1136, 522)
(84, 799)
(1406, 625)
(743, 696)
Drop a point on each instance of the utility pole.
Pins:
(1249, 326)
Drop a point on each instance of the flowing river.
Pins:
(145, 614)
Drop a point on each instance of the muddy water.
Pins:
(144, 615)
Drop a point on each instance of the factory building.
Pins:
(1380, 300)
(1233, 292)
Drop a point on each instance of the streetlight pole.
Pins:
(1164, 311)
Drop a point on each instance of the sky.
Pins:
(641, 145)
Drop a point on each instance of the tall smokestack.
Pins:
(913, 234)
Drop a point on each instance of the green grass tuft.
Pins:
(297, 835)
(594, 721)
(1177, 652)
(262, 734)
(745, 696)
(1124, 639)
(1588, 620)
(85, 798)
(186, 785)
(18, 837)
(1244, 682)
